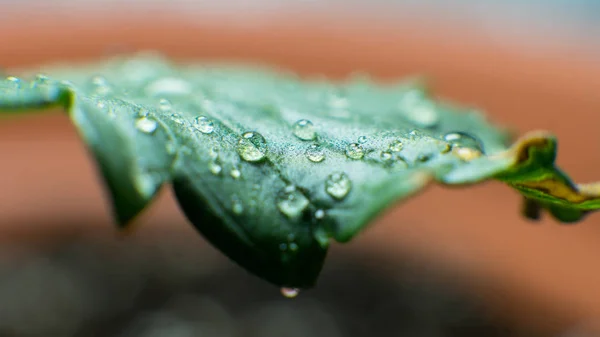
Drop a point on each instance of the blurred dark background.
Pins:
(451, 262)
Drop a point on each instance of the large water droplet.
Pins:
(291, 202)
(396, 145)
(146, 125)
(315, 153)
(204, 125)
(304, 129)
(252, 147)
(355, 151)
(463, 139)
(464, 145)
(338, 185)
(289, 292)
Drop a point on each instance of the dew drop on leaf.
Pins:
(338, 185)
(289, 292)
(164, 105)
(204, 125)
(319, 214)
(355, 151)
(463, 139)
(214, 166)
(101, 85)
(386, 156)
(146, 125)
(291, 202)
(235, 173)
(362, 139)
(396, 145)
(252, 147)
(293, 246)
(315, 153)
(304, 130)
(15, 81)
(236, 205)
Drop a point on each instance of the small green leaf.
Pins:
(269, 167)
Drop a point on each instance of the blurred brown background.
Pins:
(541, 276)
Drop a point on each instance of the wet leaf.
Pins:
(269, 167)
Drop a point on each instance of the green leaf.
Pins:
(269, 167)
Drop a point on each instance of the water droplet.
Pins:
(283, 246)
(291, 202)
(362, 139)
(41, 80)
(338, 185)
(169, 86)
(204, 125)
(315, 153)
(214, 166)
(293, 247)
(236, 205)
(466, 153)
(289, 292)
(146, 125)
(319, 214)
(386, 156)
(15, 81)
(304, 129)
(235, 173)
(171, 147)
(165, 105)
(101, 85)
(355, 151)
(423, 157)
(396, 145)
(463, 139)
(252, 147)
(177, 118)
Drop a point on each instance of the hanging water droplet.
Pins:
(293, 246)
(315, 153)
(165, 105)
(396, 145)
(252, 147)
(338, 185)
(146, 125)
(304, 129)
(291, 202)
(355, 151)
(289, 292)
(319, 214)
(236, 205)
(204, 125)
(235, 173)
(362, 139)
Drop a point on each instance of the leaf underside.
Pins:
(270, 167)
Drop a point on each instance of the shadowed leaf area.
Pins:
(270, 167)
